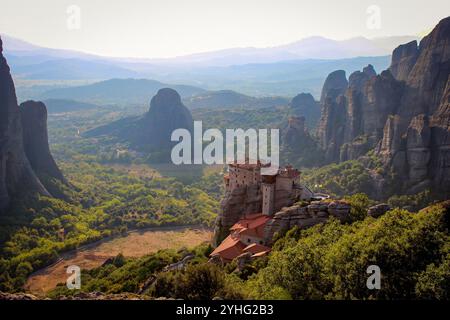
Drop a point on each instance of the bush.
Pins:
(360, 203)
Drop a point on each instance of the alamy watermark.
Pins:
(240, 146)
(73, 21)
(74, 280)
(373, 21)
(374, 280)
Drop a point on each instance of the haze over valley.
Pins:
(89, 118)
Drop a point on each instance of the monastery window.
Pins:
(248, 240)
(260, 242)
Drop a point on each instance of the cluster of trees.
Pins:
(330, 261)
(339, 180)
(245, 118)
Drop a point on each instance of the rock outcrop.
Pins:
(17, 296)
(35, 140)
(378, 210)
(151, 132)
(440, 143)
(332, 121)
(295, 129)
(304, 105)
(297, 145)
(404, 58)
(166, 114)
(335, 84)
(16, 175)
(235, 205)
(401, 113)
(305, 216)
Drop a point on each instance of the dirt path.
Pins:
(134, 244)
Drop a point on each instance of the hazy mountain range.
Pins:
(119, 91)
(308, 48)
(275, 71)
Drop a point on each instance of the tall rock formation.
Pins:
(151, 132)
(332, 121)
(335, 84)
(440, 143)
(16, 174)
(35, 139)
(166, 114)
(297, 146)
(404, 58)
(304, 105)
(401, 113)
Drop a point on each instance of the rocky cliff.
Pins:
(297, 145)
(402, 113)
(235, 205)
(35, 140)
(305, 216)
(16, 175)
(403, 60)
(304, 105)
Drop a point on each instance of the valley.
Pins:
(135, 244)
(87, 177)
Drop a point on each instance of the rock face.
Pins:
(401, 113)
(16, 174)
(440, 143)
(35, 140)
(295, 129)
(304, 105)
(335, 84)
(332, 121)
(305, 216)
(166, 114)
(297, 145)
(403, 60)
(235, 205)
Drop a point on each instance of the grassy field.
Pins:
(135, 244)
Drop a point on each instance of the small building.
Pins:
(247, 235)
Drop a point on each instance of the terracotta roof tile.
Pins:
(252, 225)
(250, 222)
(229, 249)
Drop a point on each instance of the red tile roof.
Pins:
(251, 225)
(229, 249)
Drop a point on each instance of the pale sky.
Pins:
(167, 28)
